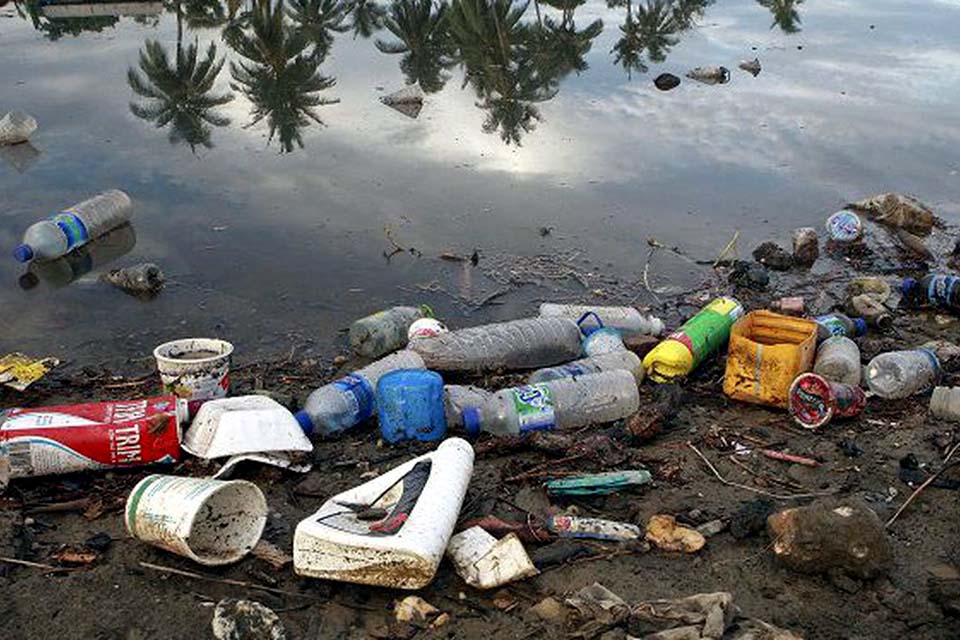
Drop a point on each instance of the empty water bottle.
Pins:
(838, 360)
(837, 324)
(938, 290)
(520, 344)
(626, 320)
(385, 331)
(617, 360)
(457, 397)
(16, 127)
(350, 400)
(565, 403)
(601, 341)
(901, 374)
(74, 227)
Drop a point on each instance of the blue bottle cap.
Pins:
(471, 421)
(861, 326)
(907, 285)
(305, 422)
(23, 253)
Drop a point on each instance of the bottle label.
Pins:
(535, 408)
(361, 393)
(73, 229)
(710, 329)
(941, 289)
(833, 324)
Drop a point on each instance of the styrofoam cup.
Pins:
(195, 379)
(213, 522)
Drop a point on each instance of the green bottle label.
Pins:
(535, 408)
(706, 332)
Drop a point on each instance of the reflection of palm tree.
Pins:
(316, 19)
(203, 14)
(366, 17)
(653, 31)
(560, 48)
(56, 28)
(280, 76)
(423, 39)
(785, 14)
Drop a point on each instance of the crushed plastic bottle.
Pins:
(838, 324)
(617, 360)
(529, 343)
(457, 397)
(901, 374)
(350, 400)
(16, 127)
(384, 331)
(838, 360)
(564, 403)
(932, 289)
(74, 227)
(627, 320)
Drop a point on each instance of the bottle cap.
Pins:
(907, 286)
(471, 421)
(305, 422)
(861, 326)
(23, 253)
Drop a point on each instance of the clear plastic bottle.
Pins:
(458, 397)
(938, 290)
(601, 341)
(838, 324)
(945, 403)
(384, 331)
(519, 344)
(617, 360)
(94, 255)
(901, 374)
(626, 320)
(74, 227)
(565, 403)
(16, 127)
(838, 360)
(350, 400)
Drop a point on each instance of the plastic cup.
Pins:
(213, 522)
(195, 369)
(814, 400)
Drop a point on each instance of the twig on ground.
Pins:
(731, 246)
(789, 457)
(236, 583)
(35, 565)
(926, 483)
(540, 468)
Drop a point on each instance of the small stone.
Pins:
(773, 256)
(245, 620)
(666, 81)
(549, 610)
(339, 361)
(414, 609)
(99, 542)
(749, 275)
(806, 246)
(712, 528)
(751, 518)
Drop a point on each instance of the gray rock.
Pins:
(246, 620)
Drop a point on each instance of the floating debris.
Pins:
(408, 101)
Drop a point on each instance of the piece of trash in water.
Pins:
(19, 371)
(420, 502)
(144, 280)
(710, 75)
(598, 484)
(246, 620)
(195, 369)
(666, 81)
(16, 127)
(385, 331)
(213, 522)
(751, 66)
(814, 400)
(485, 562)
(44, 441)
(90, 257)
(592, 528)
(898, 210)
(628, 321)
(665, 533)
(408, 101)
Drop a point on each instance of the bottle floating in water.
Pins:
(564, 403)
(74, 227)
(350, 400)
(838, 360)
(938, 290)
(529, 343)
(626, 320)
(617, 360)
(901, 374)
(385, 331)
(76, 264)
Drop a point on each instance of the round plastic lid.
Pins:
(23, 253)
(907, 285)
(471, 421)
(861, 326)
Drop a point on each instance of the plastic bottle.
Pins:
(871, 310)
(16, 127)
(938, 290)
(791, 306)
(617, 360)
(384, 331)
(565, 403)
(626, 320)
(350, 400)
(74, 227)
(901, 374)
(94, 255)
(458, 397)
(530, 343)
(945, 403)
(838, 360)
(601, 341)
(838, 324)
(699, 338)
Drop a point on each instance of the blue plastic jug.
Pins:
(410, 406)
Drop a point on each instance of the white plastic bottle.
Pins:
(384, 331)
(529, 343)
(16, 127)
(74, 227)
(352, 399)
(627, 320)
(457, 397)
(565, 403)
(617, 360)
(838, 359)
(901, 374)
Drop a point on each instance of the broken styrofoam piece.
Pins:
(16, 127)
(485, 562)
(391, 531)
(292, 461)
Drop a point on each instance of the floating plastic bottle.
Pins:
(838, 324)
(615, 361)
(698, 339)
(384, 331)
(945, 403)
(94, 255)
(565, 403)
(901, 374)
(838, 360)
(530, 343)
(16, 127)
(844, 227)
(626, 320)
(74, 227)
(937, 290)
(350, 400)
(458, 397)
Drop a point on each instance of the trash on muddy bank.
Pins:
(485, 562)
(410, 406)
(18, 371)
(195, 369)
(815, 401)
(806, 246)
(144, 281)
(698, 339)
(597, 484)
(592, 528)
(385, 331)
(246, 620)
(664, 532)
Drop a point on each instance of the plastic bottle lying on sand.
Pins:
(838, 324)
(457, 397)
(564, 403)
(350, 400)
(384, 331)
(945, 403)
(74, 227)
(838, 360)
(901, 374)
(529, 343)
(626, 320)
(699, 338)
(16, 127)
(938, 290)
(602, 341)
(617, 360)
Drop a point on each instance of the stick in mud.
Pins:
(236, 583)
(926, 483)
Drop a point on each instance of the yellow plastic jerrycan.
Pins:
(767, 351)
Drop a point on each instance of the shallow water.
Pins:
(531, 140)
